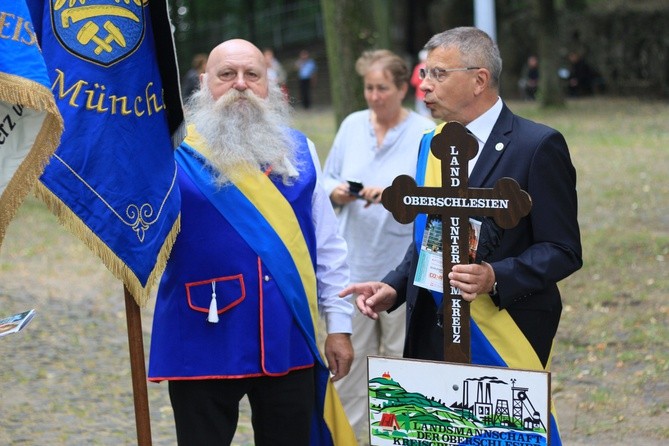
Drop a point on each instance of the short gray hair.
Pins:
(476, 49)
(388, 61)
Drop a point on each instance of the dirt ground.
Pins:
(66, 380)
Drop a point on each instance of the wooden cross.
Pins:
(455, 202)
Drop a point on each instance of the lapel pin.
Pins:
(499, 146)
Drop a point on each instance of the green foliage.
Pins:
(202, 24)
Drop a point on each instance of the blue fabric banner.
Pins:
(112, 181)
(30, 123)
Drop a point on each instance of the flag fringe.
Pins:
(17, 90)
(141, 293)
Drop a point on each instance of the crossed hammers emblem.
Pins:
(455, 202)
(89, 33)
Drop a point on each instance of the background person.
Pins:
(583, 78)
(373, 146)
(306, 75)
(191, 80)
(275, 71)
(415, 81)
(256, 258)
(515, 301)
(529, 78)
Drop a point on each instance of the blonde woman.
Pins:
(372, 147)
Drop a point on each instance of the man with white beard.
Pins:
(257, 258)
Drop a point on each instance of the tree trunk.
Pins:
(551, 93)
(382, 12)
(348, 32)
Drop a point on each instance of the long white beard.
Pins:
(244, 132)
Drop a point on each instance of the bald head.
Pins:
(237, 64)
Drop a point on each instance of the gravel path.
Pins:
(66, 377)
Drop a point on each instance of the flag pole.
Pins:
(138, 369)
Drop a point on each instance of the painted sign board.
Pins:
(429, 403)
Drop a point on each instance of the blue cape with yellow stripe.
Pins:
(496, 340)
(266, 221)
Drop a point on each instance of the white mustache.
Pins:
(232, 97)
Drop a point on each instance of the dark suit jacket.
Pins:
(541, 250)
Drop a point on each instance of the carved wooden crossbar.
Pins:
(455, 202)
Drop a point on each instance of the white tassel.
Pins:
(213, 307)
(292, 171)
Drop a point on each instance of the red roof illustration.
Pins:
(389, 421)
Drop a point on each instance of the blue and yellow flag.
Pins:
(30, 124)
(112, 181)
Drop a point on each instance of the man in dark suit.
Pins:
(515, 301)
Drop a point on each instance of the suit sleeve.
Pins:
(553, 246)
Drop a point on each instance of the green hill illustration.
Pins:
(397, 413)
(413, 410)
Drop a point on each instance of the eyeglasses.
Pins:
(439, 74)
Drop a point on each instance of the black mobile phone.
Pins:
(354, 187)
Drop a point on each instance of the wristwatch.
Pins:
(493, 292)
(494, 295)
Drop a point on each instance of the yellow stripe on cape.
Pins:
(503, 333)
(259, 190)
